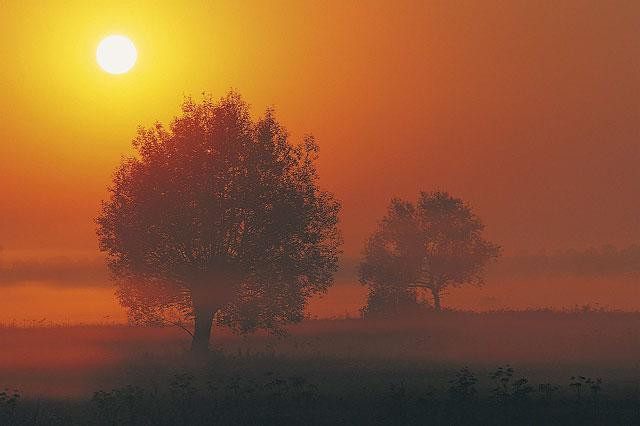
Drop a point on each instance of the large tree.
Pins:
(219, 217)
(432, 245)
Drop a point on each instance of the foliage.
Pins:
(581, 382)
(433, 244)
(9, 399)
(219, 214)
(271, 397)
(360, 372)
(120, 406)
(462, 389)
(392, 302)
(509, 390)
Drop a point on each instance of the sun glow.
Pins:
(116, 54)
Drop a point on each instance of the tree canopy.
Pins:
(433, 244)
(219, 214)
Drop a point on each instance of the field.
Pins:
(342, 371)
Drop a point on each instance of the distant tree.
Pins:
(386, 301)
(434, 244)
(219, 217)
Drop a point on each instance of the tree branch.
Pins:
(420, 284)
(177, 324)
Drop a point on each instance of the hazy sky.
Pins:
(530, 110)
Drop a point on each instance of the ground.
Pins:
(395, 371)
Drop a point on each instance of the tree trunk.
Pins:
(436, 299)
(202, 330)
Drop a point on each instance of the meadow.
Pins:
(525, 367)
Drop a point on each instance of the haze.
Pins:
(530, 111)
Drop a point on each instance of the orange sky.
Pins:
(528, 110)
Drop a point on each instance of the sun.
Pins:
(116, 54)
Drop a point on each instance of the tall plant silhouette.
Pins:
(219, 216)
(433, 244)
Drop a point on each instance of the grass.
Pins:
(263, 389)
(543, 367)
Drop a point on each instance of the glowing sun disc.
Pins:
(116, 54)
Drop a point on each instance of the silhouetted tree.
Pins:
(219, 217)
(434, 244)
(384, 301)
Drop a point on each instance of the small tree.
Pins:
(219, 214)
(434, 244)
